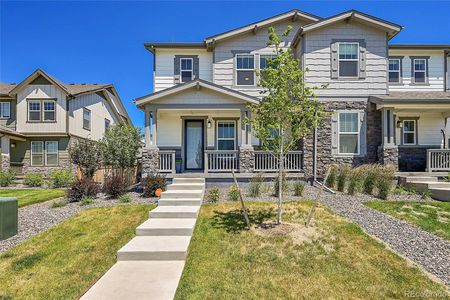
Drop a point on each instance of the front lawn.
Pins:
(433, 217)
(32, 196)
(63, 262)
(333, 260)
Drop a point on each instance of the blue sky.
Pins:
(102, 42)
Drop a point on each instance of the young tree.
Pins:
(86, 154)
(288, 110)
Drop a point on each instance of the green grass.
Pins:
(433, 217)
(63, 262)
(225, 261)
(32, 196)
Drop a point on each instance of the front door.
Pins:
(193, 144)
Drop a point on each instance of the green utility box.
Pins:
(8, 217)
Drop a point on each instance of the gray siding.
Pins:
(11, 122)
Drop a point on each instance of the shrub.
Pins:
(61, 178)
(115, 186)
(342, 177)
(276, 183)
(6, 178)
(214, 194)
(125, 199)
(33, 180)
(355, 181)
(255, 186)
(80, 188)
(151, 183)
(370, 178)
(86, 200)
(385, 179)
(331, 180)
(59, 203)
(299, 188)
(233, 193)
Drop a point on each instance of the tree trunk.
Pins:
(280, 178)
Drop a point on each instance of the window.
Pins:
(49, 110)
(107, 124)
(5, 111)
(34, 110)
(263, 60)
(186, 69)
(348, 133)
(41, 110)
(51, 153)
(245, 69)
(86, 119)
(394, 70)
(226, 135)
(348, 59)
(409, 132)
(37, 153)
(420, 67)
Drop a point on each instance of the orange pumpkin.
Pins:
(158, 192)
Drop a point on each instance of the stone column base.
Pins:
(388, 156)
(150, 161)
(246, 160)
(5, 162)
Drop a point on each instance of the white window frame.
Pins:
(358, 132)
(46, 153)
(394, 71)
(226, 139)
(236, 70)
(44, 111)
(272, 55)
(40, 110)
(424, 71)
(2, 113)
(90, 119)
(348, 59)
(191, 70)
(409, 131)
(31, 153)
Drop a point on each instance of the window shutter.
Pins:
(334, 133)
(176, 69)
(334, 60)
(196, 67)
(363, 133)
(362, 60)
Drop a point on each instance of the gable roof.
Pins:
(421, 46)
(6, 88)
(191, 84)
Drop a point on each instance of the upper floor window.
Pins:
(86, 119)
(264, 60)
(107, 124)
(394, 70)
(49, 110)
(420, 68)
(41, 110)
(5, 110)
(34, 110)
(245, 69)
(348, 133)
(186, 69)
(348, 59)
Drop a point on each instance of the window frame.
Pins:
(348, 59)
(424, 71)
(90, 118)
(414, 132)
(109, 124)
(41, 110)
(42, 154)
(46, 153)
(29, 110)
(226, 139)
(2, 115)
(191, 70)
(399, 71)
(339, 133)
(44, 111)
(236, 70)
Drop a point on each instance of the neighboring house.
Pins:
(41, 116)
(389, 103)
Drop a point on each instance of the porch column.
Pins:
(246, 152)
(150, 154)
(150, 128)
(5, 163)
(388, 151)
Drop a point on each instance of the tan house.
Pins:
(40, 116)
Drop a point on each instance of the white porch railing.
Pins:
(221, 160)
(167, 161)
(438, 160)
(267, 162)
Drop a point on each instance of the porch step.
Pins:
(186, 186)
(188, 180)
(182, 194)
(408, 179)
(155, 248)
(179, 202)
(441, 194)
(175, 212)
(166, 227)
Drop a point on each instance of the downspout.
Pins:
(446, 83)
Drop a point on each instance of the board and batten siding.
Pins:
(100, 109)
(317, 57)
(38, 92)
(435, 70)
(164, 66)
(11, 121)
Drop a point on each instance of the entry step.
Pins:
(155, 248)
(175, 212)
(166, 227)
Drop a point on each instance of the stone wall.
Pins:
(5, 162)
(27, 168)
(246, 160)
(388, 156)
(150, 161)
(412, 159)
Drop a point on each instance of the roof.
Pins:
(412, 97)
(421, 46)
(194, 83)
(152, 46)
(76, 89)
(6, 88)
(11, 132)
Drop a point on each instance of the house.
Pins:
(388, 103)
(41, 116)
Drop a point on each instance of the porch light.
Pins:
(209, 123)
(13, 145)
(399, 124)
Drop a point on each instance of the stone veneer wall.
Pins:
(388, 156)
(150, 161)
(5, 162)
(64, 163)
(246, 160)
(413, 159)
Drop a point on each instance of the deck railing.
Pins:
(438, 160)
(266, 162)
(221, 160)
(167, 161)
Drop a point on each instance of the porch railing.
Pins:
(267, 162)
(221, 160)
(167, 161)
(438, 160)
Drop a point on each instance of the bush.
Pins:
(125, 199)
(370, 178)
(355, 181)
(80, 188)
(233, 193)
(59, 203)
(62, 178)
(331, 179)
(342, 177)
(299, 188)
(276, 183)
(86, 200)
(6, 178)
(255, 186)
(385, 179)
(151, 183)
(115, 186)
(214, 194)
(33, 180)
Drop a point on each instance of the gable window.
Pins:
(245, 69)
(394, 70)
(49, 110)
(107, 124)
(226, 135)
(186, 69)
(5, 110)
(51, 153)
(86, 119)
(409, 132)
(348, 133)
(34, 110)
(37, 153)
(348, 59)
(419, 67)
(41, 110)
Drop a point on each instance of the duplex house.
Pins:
(41, 116)
(388, 103)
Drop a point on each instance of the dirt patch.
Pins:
(297, 232)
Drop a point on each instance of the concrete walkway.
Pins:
(150, 265)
